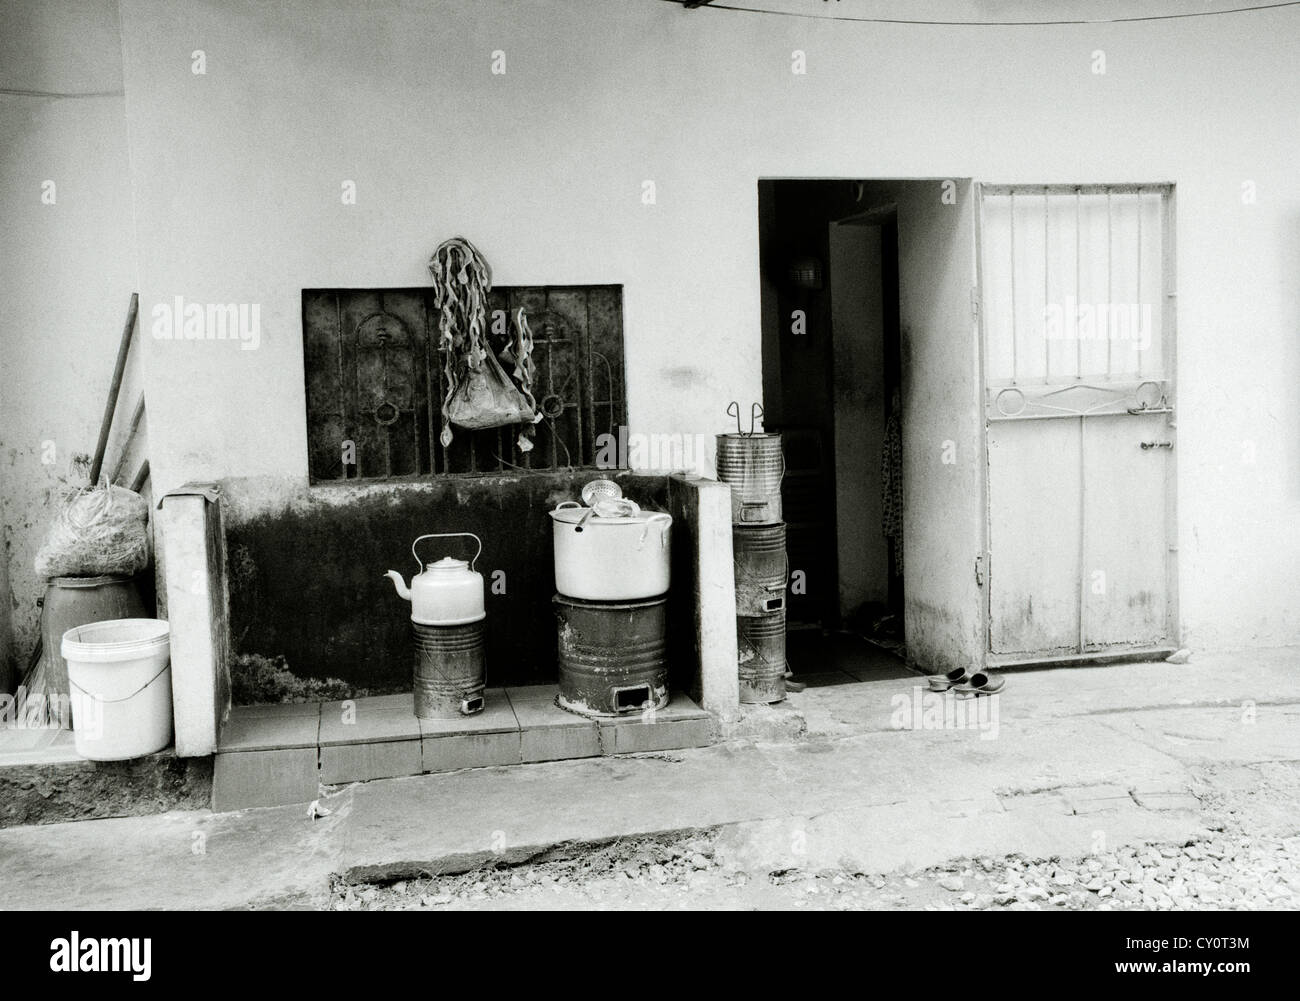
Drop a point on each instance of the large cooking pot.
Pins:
(604, 558)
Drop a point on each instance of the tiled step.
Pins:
(281, 754)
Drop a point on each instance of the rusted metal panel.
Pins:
(613, 657)
(450, 670)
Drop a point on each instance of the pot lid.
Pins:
(573, 515)
(448, 564)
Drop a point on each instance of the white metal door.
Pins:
(1077, 319)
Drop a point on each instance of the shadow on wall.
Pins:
(306, 577)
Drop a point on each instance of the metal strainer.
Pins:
(598, 490)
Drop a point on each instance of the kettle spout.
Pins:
(402, 590)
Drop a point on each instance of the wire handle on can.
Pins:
(447, 535)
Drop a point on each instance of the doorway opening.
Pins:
(833, 385)
(1027, 336)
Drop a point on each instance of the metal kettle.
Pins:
(446, 593)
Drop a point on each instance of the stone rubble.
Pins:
(1219, 871)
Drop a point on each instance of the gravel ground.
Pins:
(1219, 872)
(1247, 857)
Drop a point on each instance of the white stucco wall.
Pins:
(67, 271)
(237, 177)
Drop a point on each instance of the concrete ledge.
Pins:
(703, 508)
(193, 551)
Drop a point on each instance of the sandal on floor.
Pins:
(980, 683)
(942, 682)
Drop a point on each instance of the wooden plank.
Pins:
(141, 475)
(119, 368)
(136, 417)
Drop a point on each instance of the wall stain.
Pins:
(307, 564)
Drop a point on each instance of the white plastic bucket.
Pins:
(121, 680)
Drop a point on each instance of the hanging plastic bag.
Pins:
(99, 530)
(519, 354)
(486, 398)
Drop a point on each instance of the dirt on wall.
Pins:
(306, 573)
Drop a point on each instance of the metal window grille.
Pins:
(1074, 283)
(375, 385)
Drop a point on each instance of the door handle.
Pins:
(1147, 445)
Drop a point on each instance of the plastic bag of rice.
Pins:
(99, 530)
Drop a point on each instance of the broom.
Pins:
(45, 701)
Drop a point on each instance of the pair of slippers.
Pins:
(966, 685)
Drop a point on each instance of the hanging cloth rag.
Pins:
(891, 479)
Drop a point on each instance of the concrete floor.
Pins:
(819, 659)
(1073, 758)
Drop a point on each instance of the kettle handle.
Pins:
(447, 535)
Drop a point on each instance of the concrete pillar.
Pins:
(704, 508)
(193, 557)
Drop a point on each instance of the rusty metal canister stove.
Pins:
(613, 656)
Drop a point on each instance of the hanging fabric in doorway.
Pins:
(891, 480)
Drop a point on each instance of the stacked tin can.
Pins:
(752, 465)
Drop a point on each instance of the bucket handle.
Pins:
(124, 698)
(447, 535)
